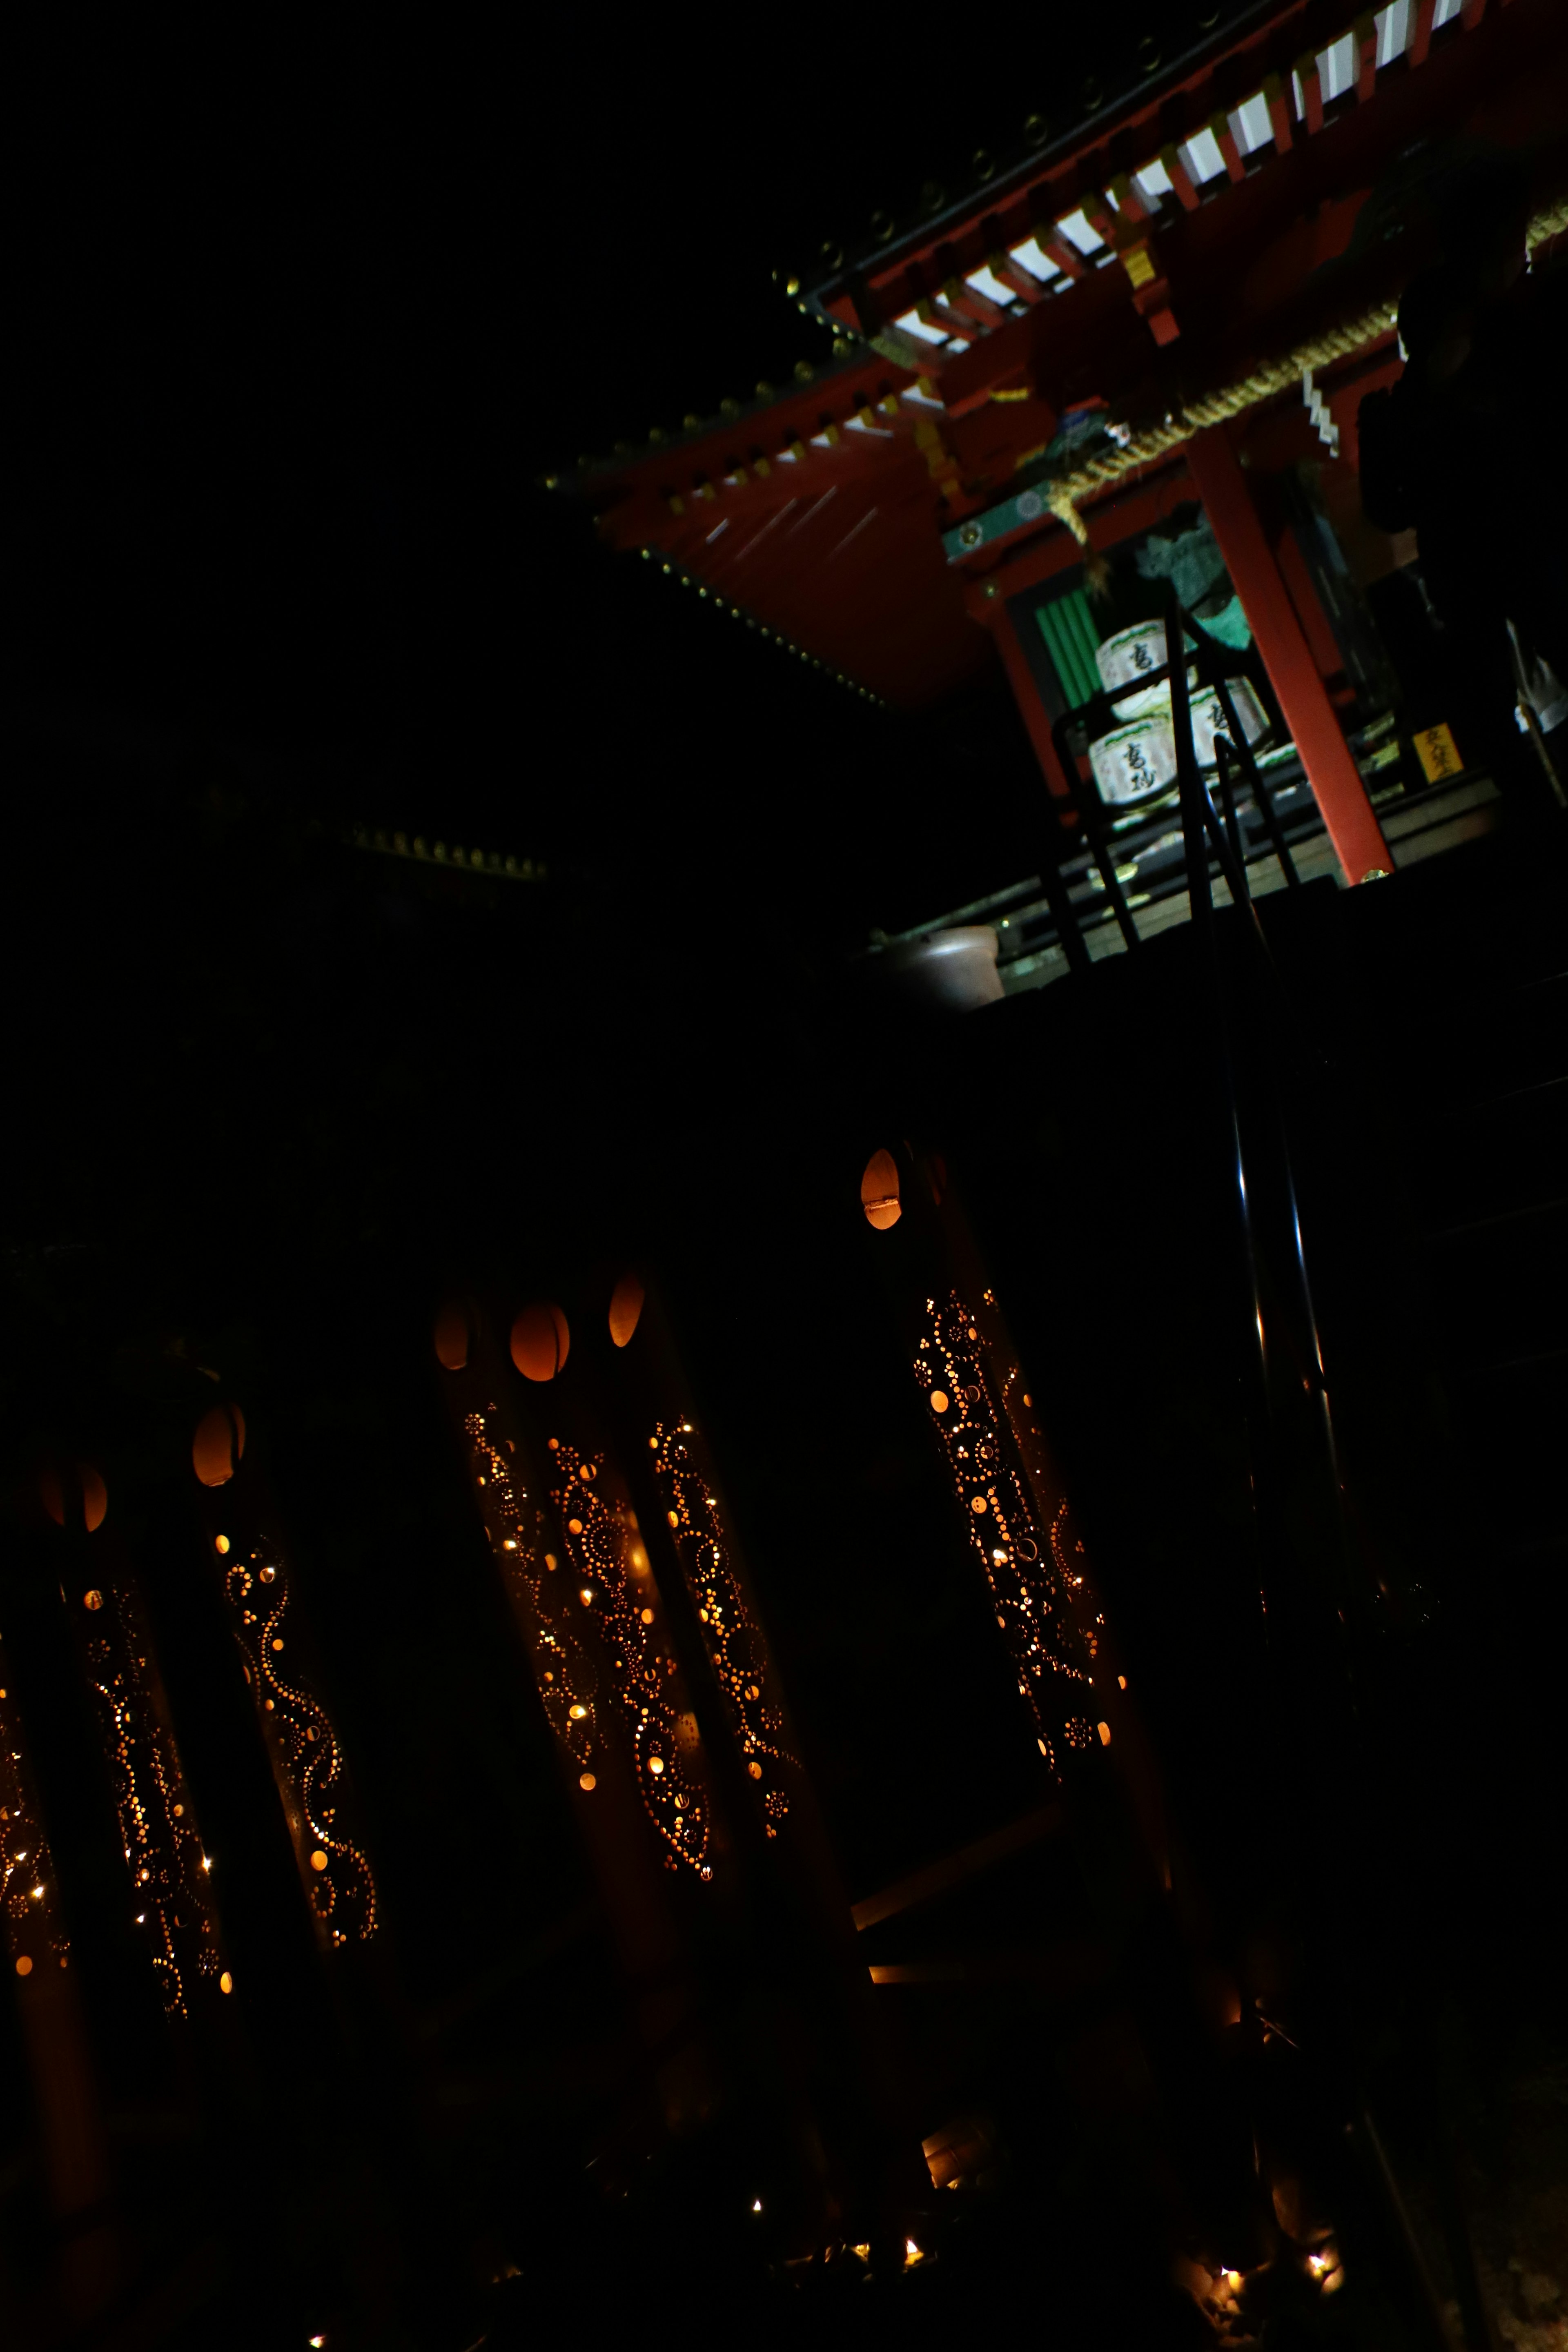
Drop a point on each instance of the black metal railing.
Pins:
(1208, 660)
(1318, 1597)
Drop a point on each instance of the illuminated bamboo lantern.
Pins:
(1017, 1521)
(171, 1881)
(574, 1571)
(309, 1767)
(738, 1651)
(613, 1579)
(827, 2104)
(541, 1341)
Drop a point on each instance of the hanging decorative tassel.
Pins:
(1065, 511)
(1096, 570)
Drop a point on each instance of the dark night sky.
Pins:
(304, 324)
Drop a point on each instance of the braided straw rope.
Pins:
(1276, 375)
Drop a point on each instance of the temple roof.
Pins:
(1207, 217)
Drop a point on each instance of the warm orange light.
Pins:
(226, 1982)
(939, 1400)
(586, 1781)
(452, 1337)
(218, 1444)
(540, 1340)
(221, 1546)
(655, 1763)
(1121, 1682)
(625, 1306)
(1104, 1731)
(93, 1599)
(317, 1859)
(977, 1502)
(24, 1965)
(94, 1494)
(647, 1616)
(880, 1191)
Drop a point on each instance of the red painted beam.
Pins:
(1421, 41)
(1026, 694)
(1225, 140)
(969, 302)
(1365, 31)
(1109, 520)
(1278, 103)
(1181, 178)
(1061, 249)
(1131, 201)
(1028, 289)
(933, 313)
(1311, 83)
(1333, 773)
(1102, 216)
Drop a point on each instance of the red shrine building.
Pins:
(1138, 348)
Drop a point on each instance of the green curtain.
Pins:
(1067, 627)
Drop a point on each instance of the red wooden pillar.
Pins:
(992, 610)
(1333, 773)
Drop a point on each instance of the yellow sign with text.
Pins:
(1438, 753)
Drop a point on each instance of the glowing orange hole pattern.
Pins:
(736, 1648)
(608, 1552)
(29, 1897)
(307, 1762)
(172, 1890)
(1033, 1565)
(565, 1672)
